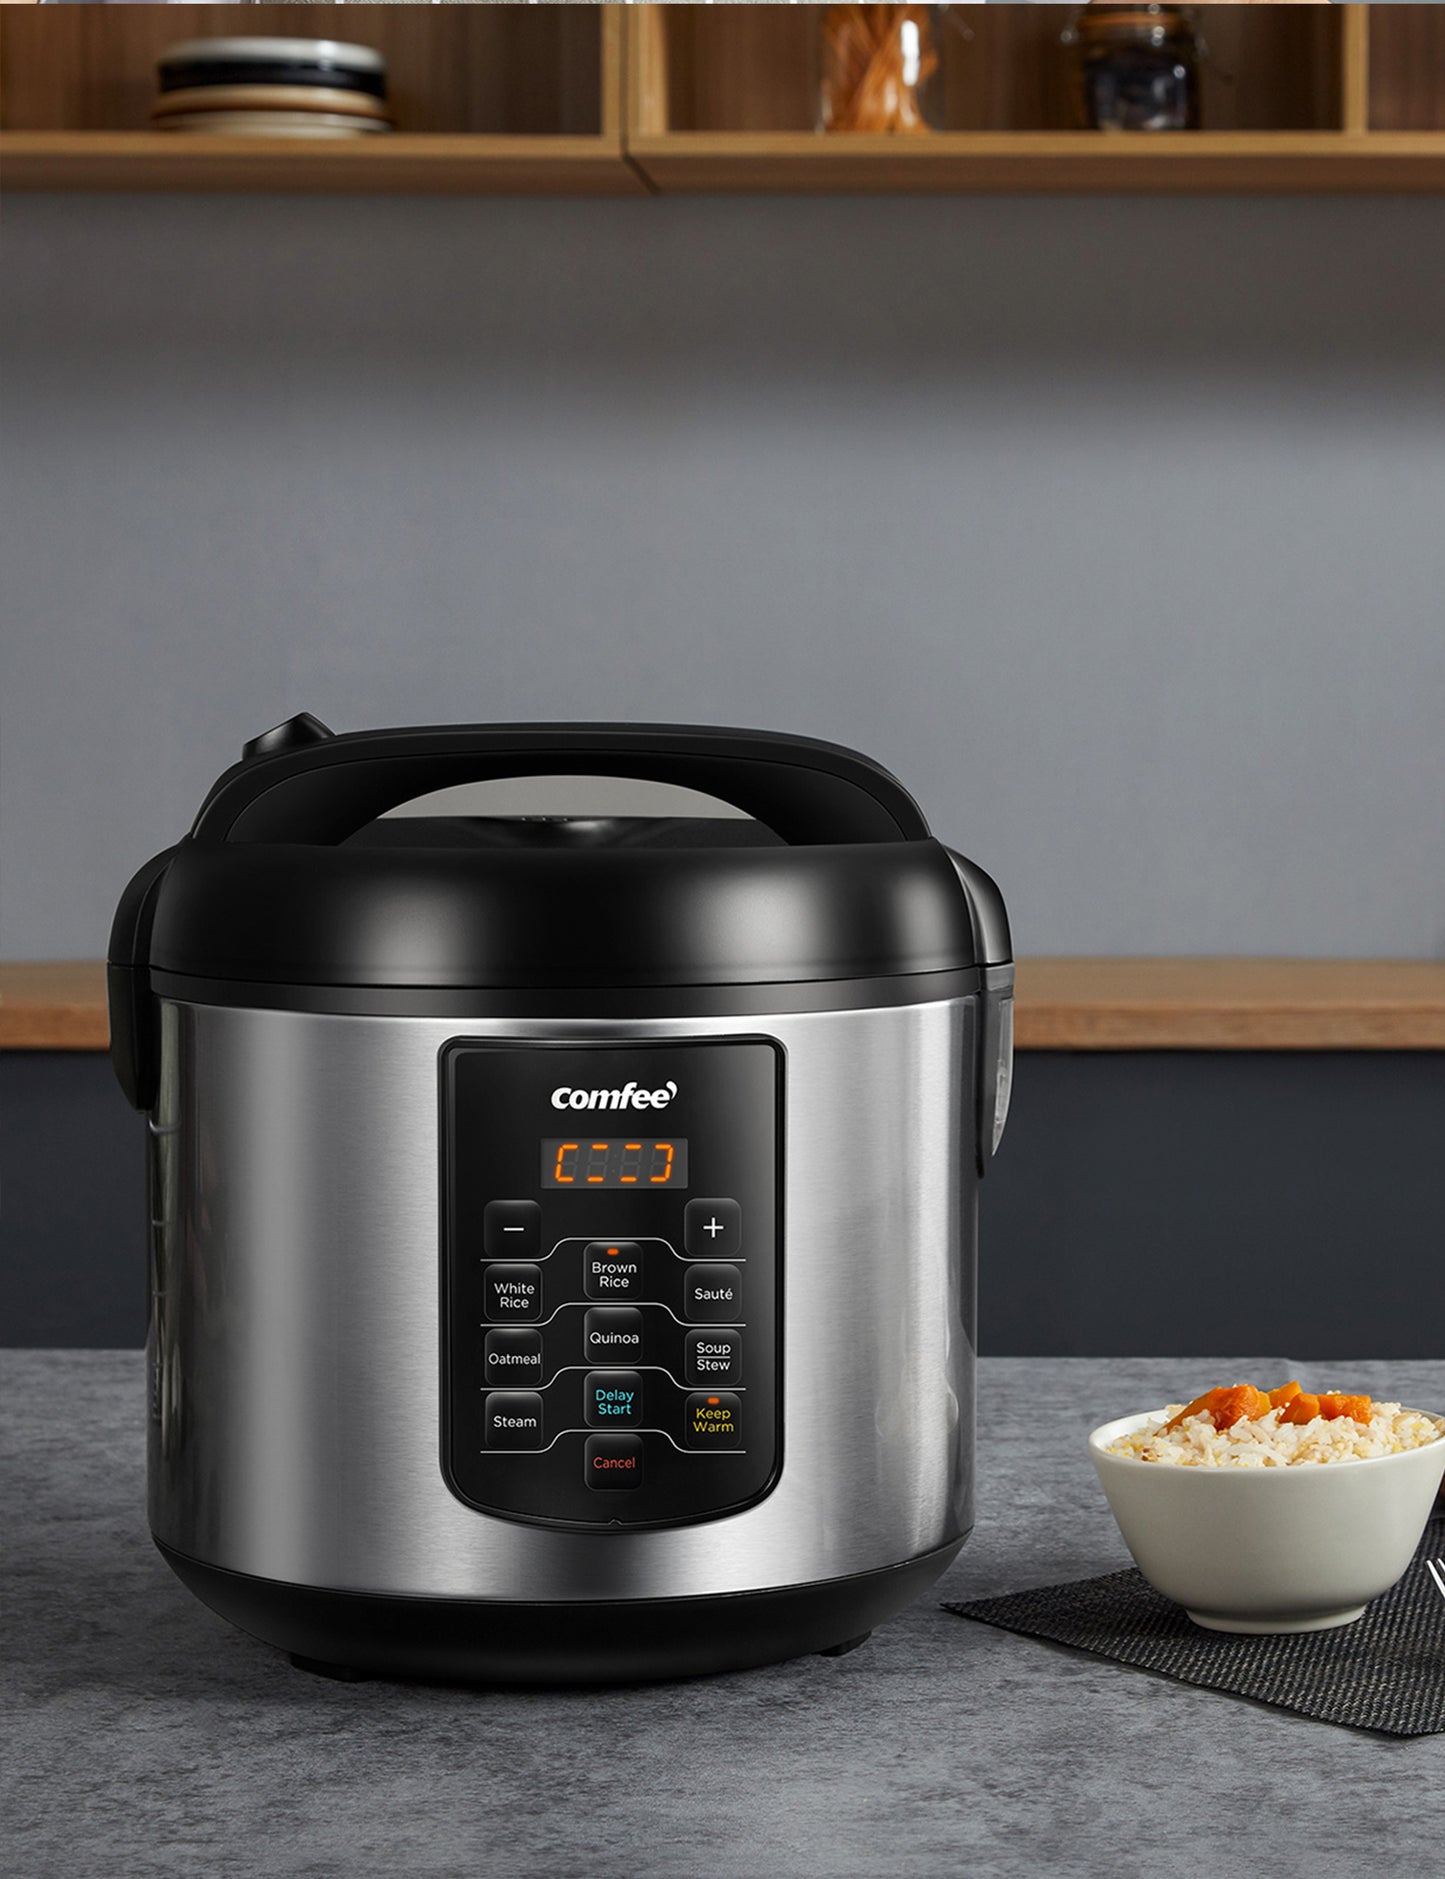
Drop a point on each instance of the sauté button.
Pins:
(612, 1399)
(612, 1269)
(514, 1419)
(713, 1420)
(612, 1336)
(712, 1229)
(512, 1357)
(513, 1292)
(511, 1229)
(713, 1294)
(613, 1461)
(712, 1356)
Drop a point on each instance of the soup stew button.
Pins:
(713, 1356)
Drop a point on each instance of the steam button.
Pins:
(514, 1419)
(713, 1294)
(712, 1229)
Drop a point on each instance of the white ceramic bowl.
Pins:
(1269, 1549)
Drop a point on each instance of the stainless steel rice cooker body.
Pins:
(563, 1233)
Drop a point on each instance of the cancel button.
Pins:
(613, 1461)
(714, 1420)
(713, 1356)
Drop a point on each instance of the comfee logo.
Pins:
(628, 1097)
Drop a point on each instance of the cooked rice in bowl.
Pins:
(1267, 1442)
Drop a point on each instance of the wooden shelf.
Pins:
(491, 100)
(434, 164)
(53, 1005)
(610, 100)
(1230, 1004)
(1062, 1004)
(1052, 162)
(724, 98)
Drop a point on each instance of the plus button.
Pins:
(713, 1229)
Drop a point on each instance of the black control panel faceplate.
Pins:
(611, 1338)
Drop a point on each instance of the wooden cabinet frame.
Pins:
(687, 103)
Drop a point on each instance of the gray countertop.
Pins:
(146, 1736)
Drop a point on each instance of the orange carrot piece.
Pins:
(1225, 1406)
(1197, 1407)
(1243, 1403)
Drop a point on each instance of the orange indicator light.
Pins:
(713, 1400)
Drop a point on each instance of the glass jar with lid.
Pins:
(880, 70)
(1136, 67)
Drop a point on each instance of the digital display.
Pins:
(587, 1161)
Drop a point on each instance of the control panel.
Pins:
(611, 1278)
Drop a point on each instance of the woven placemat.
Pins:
(1386, 1671)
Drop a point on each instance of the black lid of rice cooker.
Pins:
(293, 875)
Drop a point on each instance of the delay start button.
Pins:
(612, 1399)
(613, 1461)
(714, 1419)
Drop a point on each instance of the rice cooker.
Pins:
(563, 1226)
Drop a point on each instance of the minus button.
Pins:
(512, 1228)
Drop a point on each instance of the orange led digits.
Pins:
(614, 1163)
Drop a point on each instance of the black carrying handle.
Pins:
(328, 787)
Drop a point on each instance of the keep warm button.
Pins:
(714, 1420)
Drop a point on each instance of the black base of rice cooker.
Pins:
(355, 1635)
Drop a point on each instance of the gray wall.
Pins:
(1117, 527)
